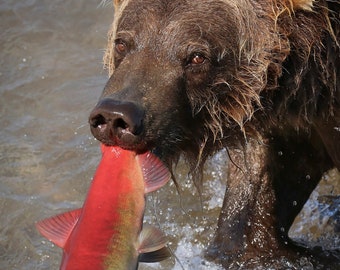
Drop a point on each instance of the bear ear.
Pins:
(117, 3)
(302, 4)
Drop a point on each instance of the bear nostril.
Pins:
(98, 121)
(120, 123)
(115, 121)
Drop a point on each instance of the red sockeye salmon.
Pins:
(107, 232)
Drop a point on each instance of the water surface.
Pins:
(50, 78)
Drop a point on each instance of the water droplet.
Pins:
(308, 177)
(294, 203)
(280, 153)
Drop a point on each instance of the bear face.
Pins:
(183, 70)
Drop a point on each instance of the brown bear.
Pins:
(260, 78)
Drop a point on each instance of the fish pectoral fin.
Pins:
(155, 173)
(152, 247)
(58, 228)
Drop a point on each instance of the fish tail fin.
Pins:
(152, 245)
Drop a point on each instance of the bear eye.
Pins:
(121, 47)
(197, 59)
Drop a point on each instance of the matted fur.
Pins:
(267, 90)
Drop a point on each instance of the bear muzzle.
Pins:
(115, 122)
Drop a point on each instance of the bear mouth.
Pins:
(125, 139)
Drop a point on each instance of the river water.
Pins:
(50, 78)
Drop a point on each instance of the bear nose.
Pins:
(116, 122)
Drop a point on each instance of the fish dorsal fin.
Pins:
(57, 229)
(152, 247)
(155, 173)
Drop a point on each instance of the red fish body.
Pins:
(106, 232)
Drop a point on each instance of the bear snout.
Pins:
(115, 122)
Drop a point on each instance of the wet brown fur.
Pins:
(263, 47)
(280, 85)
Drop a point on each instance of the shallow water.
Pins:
(50, 78)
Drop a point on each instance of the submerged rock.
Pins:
(318, 224)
